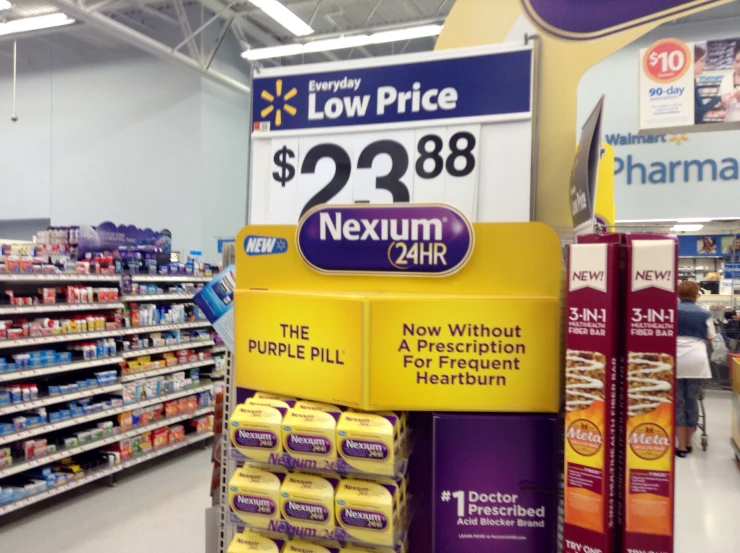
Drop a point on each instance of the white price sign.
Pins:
(427, 165)
(454, 128)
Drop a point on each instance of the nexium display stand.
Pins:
(352, 308)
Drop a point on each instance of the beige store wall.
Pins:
(563, 63)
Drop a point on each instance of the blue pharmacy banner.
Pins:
(481, 84)
(216, 300)
(710, 245)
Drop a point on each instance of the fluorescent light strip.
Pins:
(350, 41)
(686, 228)
(284, 16)
(695, 220)
(5, 5)
(26, 24)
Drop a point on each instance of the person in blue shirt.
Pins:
(695, 330)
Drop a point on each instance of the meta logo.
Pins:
(264, 245)
(408, 239)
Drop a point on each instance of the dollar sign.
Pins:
(653, 59)
(287, 171)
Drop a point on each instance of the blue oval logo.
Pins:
(395, 239)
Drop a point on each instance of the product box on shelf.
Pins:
(649, 361)
(591, 387)
(250, 542)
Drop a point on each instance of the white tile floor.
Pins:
(161, 508)
(158, 509)
(708, 487)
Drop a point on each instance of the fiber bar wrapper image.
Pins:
(591, 396)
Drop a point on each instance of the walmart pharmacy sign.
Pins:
(441, 86)
(637, 170)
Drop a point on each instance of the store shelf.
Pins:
(59, 307)
(58, 398)
(50, 427)
(41, 340)
(98, 474)
(59, 277)
(57, 369)
(169, 397)
(56, 338)
(164, 349)
(69, 452)
(157, 297)
(340, 466)
(219, 349)
(167, 370)
(26, 501)
(162, 328)
(170, 278)
(190, 439)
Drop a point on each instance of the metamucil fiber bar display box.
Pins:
(648, 367)
(591, 396)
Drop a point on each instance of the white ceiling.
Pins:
(252, 26)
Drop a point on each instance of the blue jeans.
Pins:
(688, 391)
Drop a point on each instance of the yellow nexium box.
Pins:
(475, 326)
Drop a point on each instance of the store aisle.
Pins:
(708, 487)
(160, 509)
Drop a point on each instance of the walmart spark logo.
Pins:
(277, 98)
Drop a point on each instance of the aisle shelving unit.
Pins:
(104, 472)
(59, 308)
(59, 369)
(157, 297)
(164, 349)
(82, 419)
(58, 372)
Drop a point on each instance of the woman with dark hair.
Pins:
(729, 90)
(701, 108)
(695, 329)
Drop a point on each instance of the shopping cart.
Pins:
(719, 357)
(702, 424)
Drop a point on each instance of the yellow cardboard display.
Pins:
(486, 338)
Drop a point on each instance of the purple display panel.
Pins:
(495, 483)
(582, 19)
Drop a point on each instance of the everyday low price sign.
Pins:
(453, 127)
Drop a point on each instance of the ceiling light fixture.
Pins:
(695, 220)
(342, 42)
(284, 16)
(686, 228)
(26, 24)
(5, 5)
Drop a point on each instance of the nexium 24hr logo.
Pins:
(401, 239)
